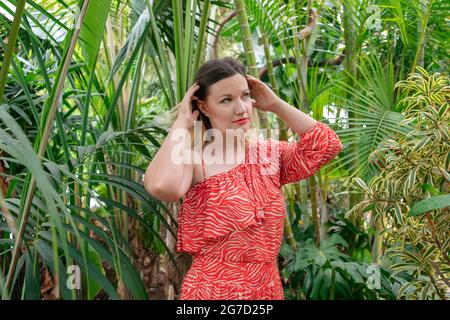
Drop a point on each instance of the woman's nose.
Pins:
(242, 108)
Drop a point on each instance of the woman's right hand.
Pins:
(185, 114)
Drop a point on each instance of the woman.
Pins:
(232, 217)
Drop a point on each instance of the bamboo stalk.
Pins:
(12, 37)
(246, 36)
(288, 233)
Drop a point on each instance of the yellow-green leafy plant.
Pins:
(410, 198)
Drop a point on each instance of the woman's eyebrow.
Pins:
(229, 94)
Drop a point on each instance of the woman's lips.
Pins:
(241, 121)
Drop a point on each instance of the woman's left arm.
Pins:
(317, 143)
(295, 119)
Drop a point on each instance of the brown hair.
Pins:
(209, 73)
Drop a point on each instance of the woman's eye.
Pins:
(246, 94)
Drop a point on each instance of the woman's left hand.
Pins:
(265, 98)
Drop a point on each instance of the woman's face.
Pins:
(228, 101)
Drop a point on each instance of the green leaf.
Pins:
(32, 281)
(437, 202)
(138, 144)
(46, 252)
(430, 188)
(398, 213)
(362, 184)
(410, 181)
(445, 174)
(93, 286)
(92, 30)
(88, 267)
(421, 143)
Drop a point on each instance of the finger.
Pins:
(252, 82)
(249, 77)
(189, 95)
(193, 88)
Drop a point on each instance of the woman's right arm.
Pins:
(168, 176)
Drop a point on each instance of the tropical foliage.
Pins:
(83, 84)
(410, 197)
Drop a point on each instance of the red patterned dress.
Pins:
(232, 222)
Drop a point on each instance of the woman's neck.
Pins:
(232, 150)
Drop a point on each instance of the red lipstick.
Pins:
(241, 121)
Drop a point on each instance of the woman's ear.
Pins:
(203, 107)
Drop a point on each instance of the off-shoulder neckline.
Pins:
(217, 175)
(227, 172)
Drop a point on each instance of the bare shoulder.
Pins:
(197, 168)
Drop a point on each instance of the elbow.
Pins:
(334, 150)
(338, 146)
(335, 144)
(162, 192)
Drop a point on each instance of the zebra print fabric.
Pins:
(232, 222)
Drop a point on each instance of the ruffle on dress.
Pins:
(217, 210)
